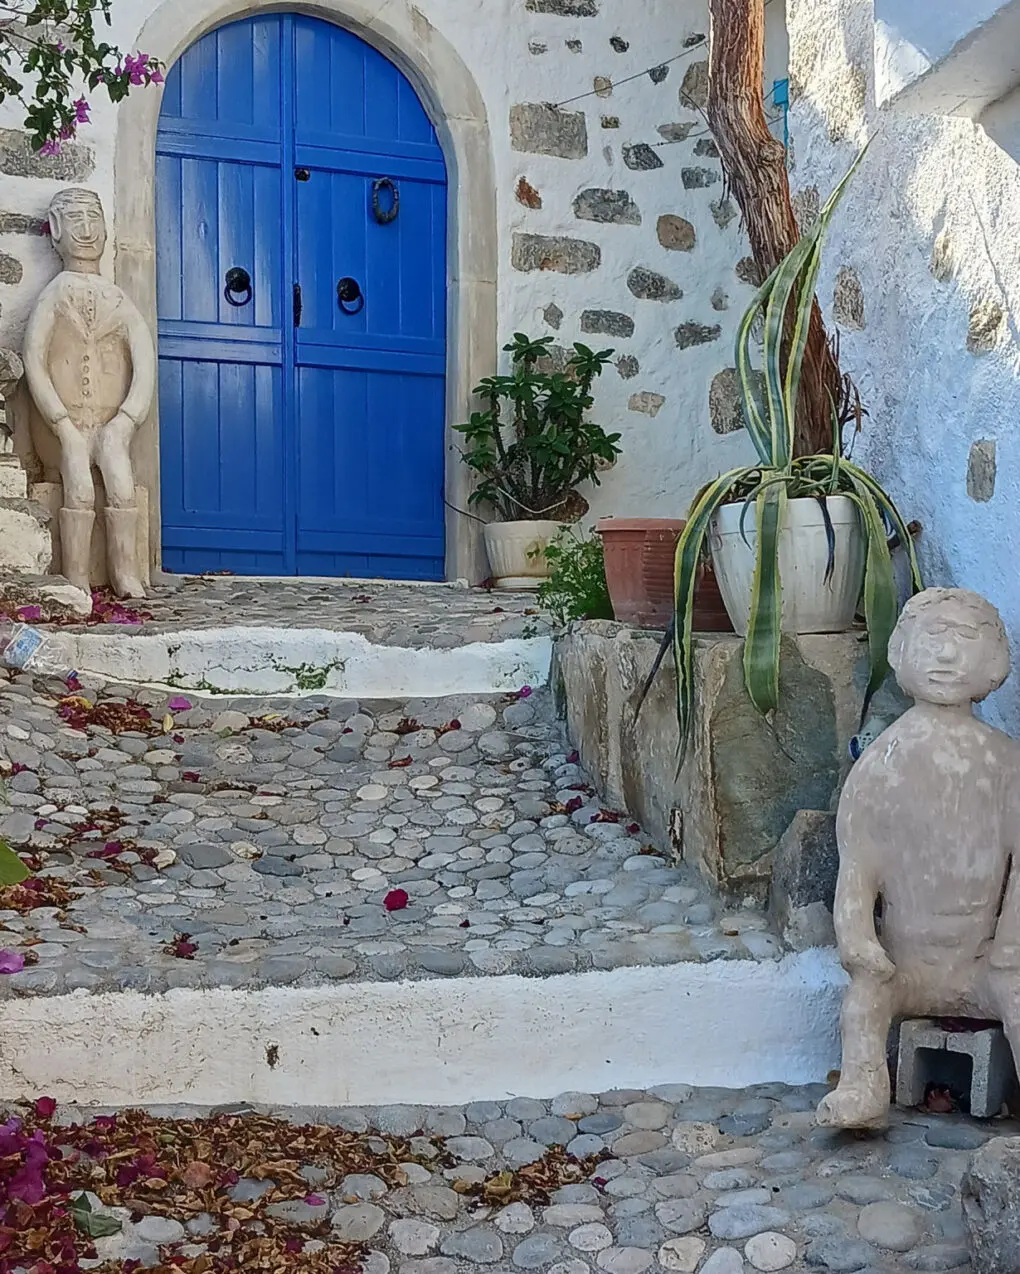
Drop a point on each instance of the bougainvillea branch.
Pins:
(52, 60)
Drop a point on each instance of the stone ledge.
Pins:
(741, 784)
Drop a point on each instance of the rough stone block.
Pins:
(676, 233)
(991, 1206)
(647, 285)
(540, 129)
(13, 479)
(554, 252)
(694, 89)
(805, 865)
(698, 178)
(25, 543)
(741, 784)
(51, 496)
(610, 206)
(981, 1061)
(690, 334)
(565, 8)
(607, 323)
(641, 157)
(17, 159)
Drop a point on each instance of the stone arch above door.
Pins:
(454, 103)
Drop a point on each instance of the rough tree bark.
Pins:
(755, 165)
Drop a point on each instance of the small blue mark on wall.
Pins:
(301, 256)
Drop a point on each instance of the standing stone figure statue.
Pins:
(929, 828)
(91, 369)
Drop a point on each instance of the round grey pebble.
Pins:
(536, 1252)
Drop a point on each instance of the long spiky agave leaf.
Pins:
(754, 420)
(688, 558)
(881, 603)
(884, 501)
(784, 283)
(763, 641)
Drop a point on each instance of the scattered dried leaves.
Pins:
(536, 1183)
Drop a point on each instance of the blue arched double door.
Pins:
(301, 260)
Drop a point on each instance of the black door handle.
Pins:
(349, 296)
(298, 304)
(237, 288)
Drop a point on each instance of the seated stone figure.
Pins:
(929, 824)
(91, 369)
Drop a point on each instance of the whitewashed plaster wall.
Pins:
(922, 279)
(525, 53)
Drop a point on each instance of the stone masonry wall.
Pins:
(613, 228)
(922, 280)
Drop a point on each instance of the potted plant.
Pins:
(531, 447)
(639, 554)
(793, 538)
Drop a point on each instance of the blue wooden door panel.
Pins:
(315, 448)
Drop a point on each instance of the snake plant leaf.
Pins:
(806, 294)
(12, 870)
(689, 550)
(750, 399)
(764, 628)
(881, 601)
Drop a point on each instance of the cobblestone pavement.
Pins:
(332, 840)
(713, 1180)
(408, 615)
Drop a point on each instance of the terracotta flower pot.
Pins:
(639, 556)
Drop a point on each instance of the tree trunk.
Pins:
(755, 165)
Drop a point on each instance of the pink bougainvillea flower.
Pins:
(45, 1106)
(40, 823)
(27, 1182)
(396, 900)
(573, 758)
(573, 804)
(11, 961)
(315, 1200)
(525, 692)
(105, 1121)
(52, 147)
(29, 614)
(633, 829)
(72, 682)
(293, 1245)
(81, 110)
(189, 776)
(179, 704)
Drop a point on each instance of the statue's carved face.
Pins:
(78, 228)
(949, 648)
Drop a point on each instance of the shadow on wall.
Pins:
(920, 278)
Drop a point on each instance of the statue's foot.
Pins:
(129, 587)
(857, 1102)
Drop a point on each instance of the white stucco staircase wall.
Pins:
(949, 57)
(729, 1023)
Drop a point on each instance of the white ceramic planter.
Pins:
(810, 605)
(515, 552)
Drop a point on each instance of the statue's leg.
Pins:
(114, 460)
(78, 515)
(861, 1098)
(1001, 1000)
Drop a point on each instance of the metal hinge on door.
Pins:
(297, 304)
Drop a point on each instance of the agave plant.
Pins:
(783, 309)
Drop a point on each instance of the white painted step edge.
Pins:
(301, 661)
(728, 1023)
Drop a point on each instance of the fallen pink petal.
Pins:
(396, 900)
(11, 961)
(177, 704)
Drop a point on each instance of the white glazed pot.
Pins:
(515, 552)
(810, 605)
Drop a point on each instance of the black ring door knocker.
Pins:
(385, 215)
(349, 296)
(237, 290)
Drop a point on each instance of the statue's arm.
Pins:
(857, 889)
(36, 355)
(143, 366)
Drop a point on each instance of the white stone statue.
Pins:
(91, 369)
(929, 826)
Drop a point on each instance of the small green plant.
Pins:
(576, 587)
(783, 309)
(533, 444)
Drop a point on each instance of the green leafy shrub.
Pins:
(533, 444)
(576, 589)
